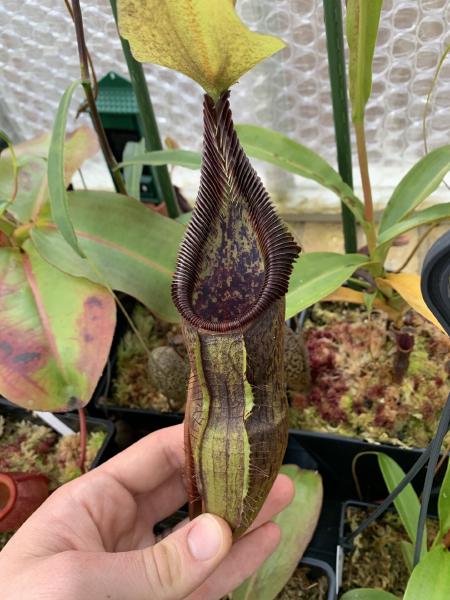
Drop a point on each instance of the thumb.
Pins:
(169, 570)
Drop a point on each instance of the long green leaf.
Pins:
(407, 550)
(407, 503)
(429, 216)
(433, 214)
(318, 274)
(56, 333)
(56, 181)
(430, 580)
(363, 18)
(297, 523)
(133, 248)
(14, 173)
(184, 218)
(180, 158)
(274, 148)
(415, 187)
(133, 171)
(368, 594)
(444, 505)
(279, 150)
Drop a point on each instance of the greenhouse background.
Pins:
(290, 92)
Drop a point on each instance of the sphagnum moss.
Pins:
(33, 448)
(353, 392)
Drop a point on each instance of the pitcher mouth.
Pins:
(237, 255)
(8, 495)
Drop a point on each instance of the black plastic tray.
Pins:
(334, 455)
(435, 280)
(71, 420)
(142, 421)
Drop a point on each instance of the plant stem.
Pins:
(336, 69)
(83, 439)
(416, 247)
(90, 98)
(164, 186)
(361, 283)
(92, 73)
(365, 180)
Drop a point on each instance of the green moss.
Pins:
(133, 385)
(419, 361)
(28, 447)
(5, 536)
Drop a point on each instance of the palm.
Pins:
(114, 509)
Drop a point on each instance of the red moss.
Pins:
(351, 361)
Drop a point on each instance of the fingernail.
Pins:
(205, 538)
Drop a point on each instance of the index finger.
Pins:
(149, 462)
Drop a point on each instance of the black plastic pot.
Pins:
(435, 280)
(335, 454)
(71, 420)
(319, 567)
(343, 547)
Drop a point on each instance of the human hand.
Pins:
(93, 538)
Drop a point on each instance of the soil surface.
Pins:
(305, 584)
(353, 390)
(377, 560)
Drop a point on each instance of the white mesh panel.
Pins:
(289, 92)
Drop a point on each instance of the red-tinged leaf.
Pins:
(55, 336)
(129, 247)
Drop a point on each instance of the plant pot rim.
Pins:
(7, 481)
(307, 561)
(351, 440)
